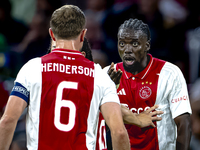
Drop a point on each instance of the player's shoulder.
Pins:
(99, 70)
(107, 67)
(171, 67)
(97, 66)
(171, 70)
(30, 68)
(101, 75)
(34, 60)
(32, 63)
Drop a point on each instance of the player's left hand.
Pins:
(114, 74)
(147, 117)
(143, 119)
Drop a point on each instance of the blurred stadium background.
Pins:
(174, 26)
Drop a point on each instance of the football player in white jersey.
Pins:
(64, 92)
(143, 81)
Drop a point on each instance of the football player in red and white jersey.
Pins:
(145, 81)
(143, 119)
(64, 93)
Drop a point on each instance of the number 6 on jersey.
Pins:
(65, 103)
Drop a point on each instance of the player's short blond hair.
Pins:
(67, 22)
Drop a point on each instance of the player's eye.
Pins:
(135, 43)
(121, 44)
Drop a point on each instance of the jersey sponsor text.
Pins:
(179, 99)
(135, 110)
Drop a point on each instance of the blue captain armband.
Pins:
(20, 91)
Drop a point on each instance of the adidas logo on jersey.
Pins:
(122, 92)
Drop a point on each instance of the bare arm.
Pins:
(183, 131)
(143, 119)
(112, 114)
(8, 122)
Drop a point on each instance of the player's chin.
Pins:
(128, 67)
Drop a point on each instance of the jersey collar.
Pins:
(142, 74)
(68, 51)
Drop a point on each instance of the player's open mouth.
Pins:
(129, 60)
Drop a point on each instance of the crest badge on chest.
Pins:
(145, 91)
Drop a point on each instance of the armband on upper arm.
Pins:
(20, 91)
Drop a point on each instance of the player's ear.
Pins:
(52, 35)
(83, 53)
(147, 46)
(83, 33)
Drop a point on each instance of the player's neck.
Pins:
(68, 44)
(138, 67)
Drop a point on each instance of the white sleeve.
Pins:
(178, 93)
(105, 86)
(27, 73)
